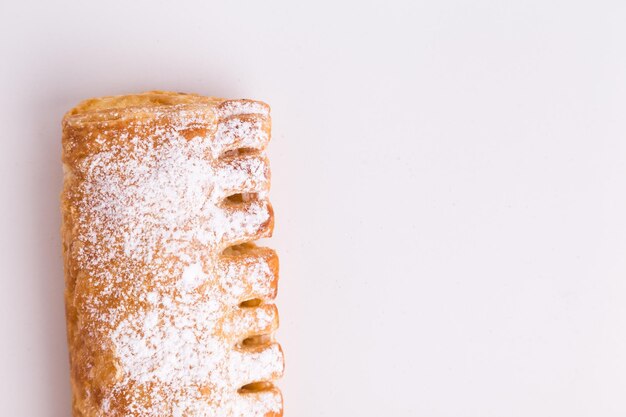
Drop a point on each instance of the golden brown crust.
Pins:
(149, 260)
(148, 99)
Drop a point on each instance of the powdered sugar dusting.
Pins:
(235, 129)
(152, 221)
(236, 107)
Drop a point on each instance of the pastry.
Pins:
(168, 301)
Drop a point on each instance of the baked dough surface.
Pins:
(168, 303)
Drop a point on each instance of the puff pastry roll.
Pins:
(169, 304)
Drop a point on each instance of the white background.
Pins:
(449, 179)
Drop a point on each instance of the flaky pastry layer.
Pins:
(168, 303)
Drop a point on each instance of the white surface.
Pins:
(449, 179)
